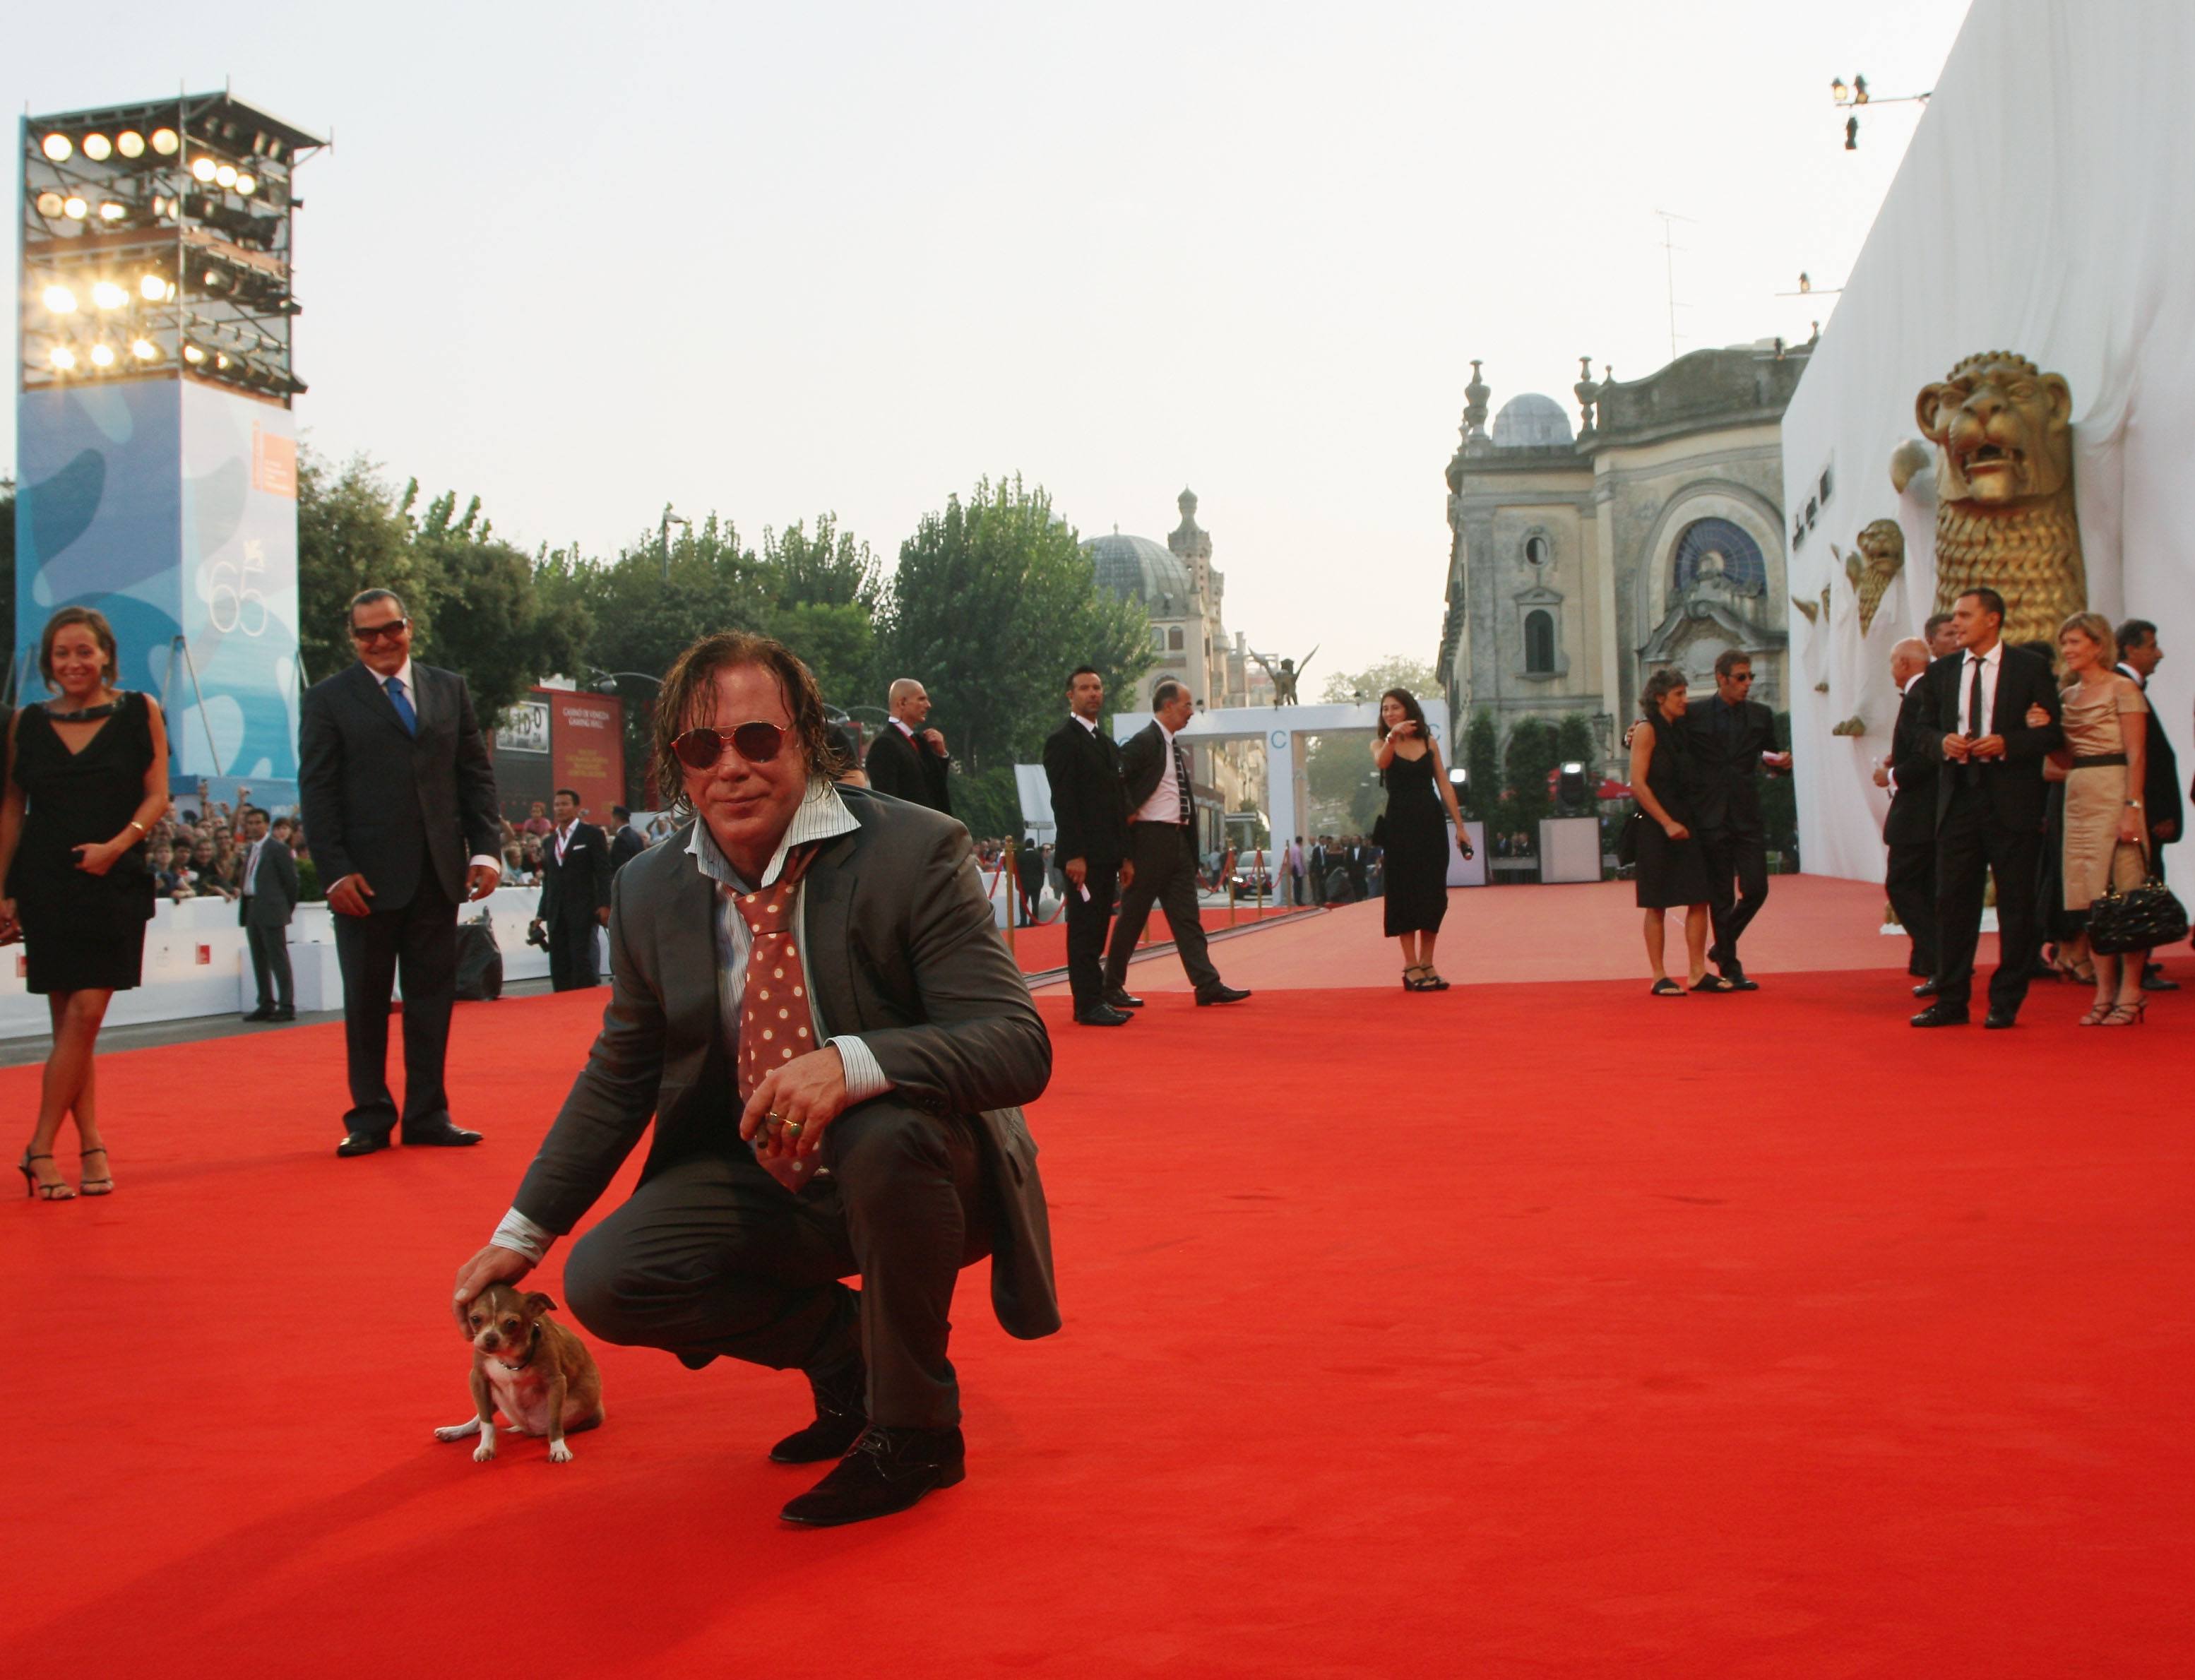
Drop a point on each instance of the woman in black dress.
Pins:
(1413, 835)
(88, 778)
(1672, 871)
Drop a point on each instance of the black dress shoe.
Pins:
(887, 1472)
(363, 1143)
(1928, 988)
(1101, 1016)
(1118, 998)
(841, 1415)
(284, 1012)
(264, 1012)
(1222, 994)
(2152, 981)
(1734, 978)
(2001, 1019)
(443, 1136)
(1941, 1014)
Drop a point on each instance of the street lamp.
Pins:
(663, 529)
(636, 675)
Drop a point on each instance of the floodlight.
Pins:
(193, 354)
(98, 147)
(62, 358)
(49, 204)
(1572, 768)
(107, 295)
(75, 208)
(60, 300)
(155, 288)
(57, 148)
(247, 185)
(205, 168)
(130, 143)
(145, 349)
(165, 143)
(102, 355)
(225, 175)
(111, 212)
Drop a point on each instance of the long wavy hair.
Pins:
(688, 701)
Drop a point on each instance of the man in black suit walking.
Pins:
(1083, 767)
(1162, 847)
(1990, 804)
(1728, 742)
(907, 760)
(269, 881)
(399, 801)
(575, 895)
(626, 841)
(1908, 832)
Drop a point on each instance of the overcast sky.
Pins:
(772, 260)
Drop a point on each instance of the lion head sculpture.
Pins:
(2004, 476)
(1881, 558)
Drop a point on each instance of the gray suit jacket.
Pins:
(273, 895)
(900, 949)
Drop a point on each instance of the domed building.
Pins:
(1582, 560)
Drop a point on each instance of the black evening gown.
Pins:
(1415, 835)
(1671, 872)
(79, 930)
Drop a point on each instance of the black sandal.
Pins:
(1667, 988)
(105, 1186)
(1712, 982)
(58, 1191)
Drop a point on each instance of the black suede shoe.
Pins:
(1222, 994)
(841, 1414)
(1928, 988)
(446, 1136)
(1103, 1015)
(363, 1143)
(1118, 998)
(887, 1472)
(1941, 1014)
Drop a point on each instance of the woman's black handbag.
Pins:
(2141, 919)
(1626, 839)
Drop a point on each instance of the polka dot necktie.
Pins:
(776, 1021)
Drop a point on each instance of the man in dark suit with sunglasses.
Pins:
(1729, 742)
(1082, 767)
(400, 812)
(810, 1002)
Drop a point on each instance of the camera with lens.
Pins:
(537, 934)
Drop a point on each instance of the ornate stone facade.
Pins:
(1579, 562)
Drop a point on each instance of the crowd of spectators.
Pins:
(199, 853)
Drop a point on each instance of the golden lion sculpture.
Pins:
(2004, 480)
(1879, 558)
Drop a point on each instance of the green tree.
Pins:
(1482, 764)
(1338, 768)
(1575, 741)
(993, 602)
(824, 590)
(493, 623)
(352, 535)
(1396, 671)
(1525, 764)
(1779, 803)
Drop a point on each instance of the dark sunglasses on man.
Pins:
(387, 632)
(702, 749)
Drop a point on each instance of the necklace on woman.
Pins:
(87, 715)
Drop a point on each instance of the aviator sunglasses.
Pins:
(700, 749)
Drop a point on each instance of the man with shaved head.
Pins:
(1909, 831)
(906, 760)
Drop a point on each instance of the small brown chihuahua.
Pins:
(538, 1372)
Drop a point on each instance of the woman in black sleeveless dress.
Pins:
(1413, 835)
(87, 778)
(1672, 871)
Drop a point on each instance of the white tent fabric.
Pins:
(2046, 207)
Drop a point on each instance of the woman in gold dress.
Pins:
(2106, 835)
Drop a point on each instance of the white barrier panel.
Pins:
(196, 963)
(1569, 849)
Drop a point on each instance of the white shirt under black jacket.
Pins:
(1991, 663)
(1166, 801)
(821, 815)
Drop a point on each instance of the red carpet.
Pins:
(1519, 1331)
(1045, 946)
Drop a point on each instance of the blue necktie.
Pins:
(410, 717)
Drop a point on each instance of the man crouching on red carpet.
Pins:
(809, 1000)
